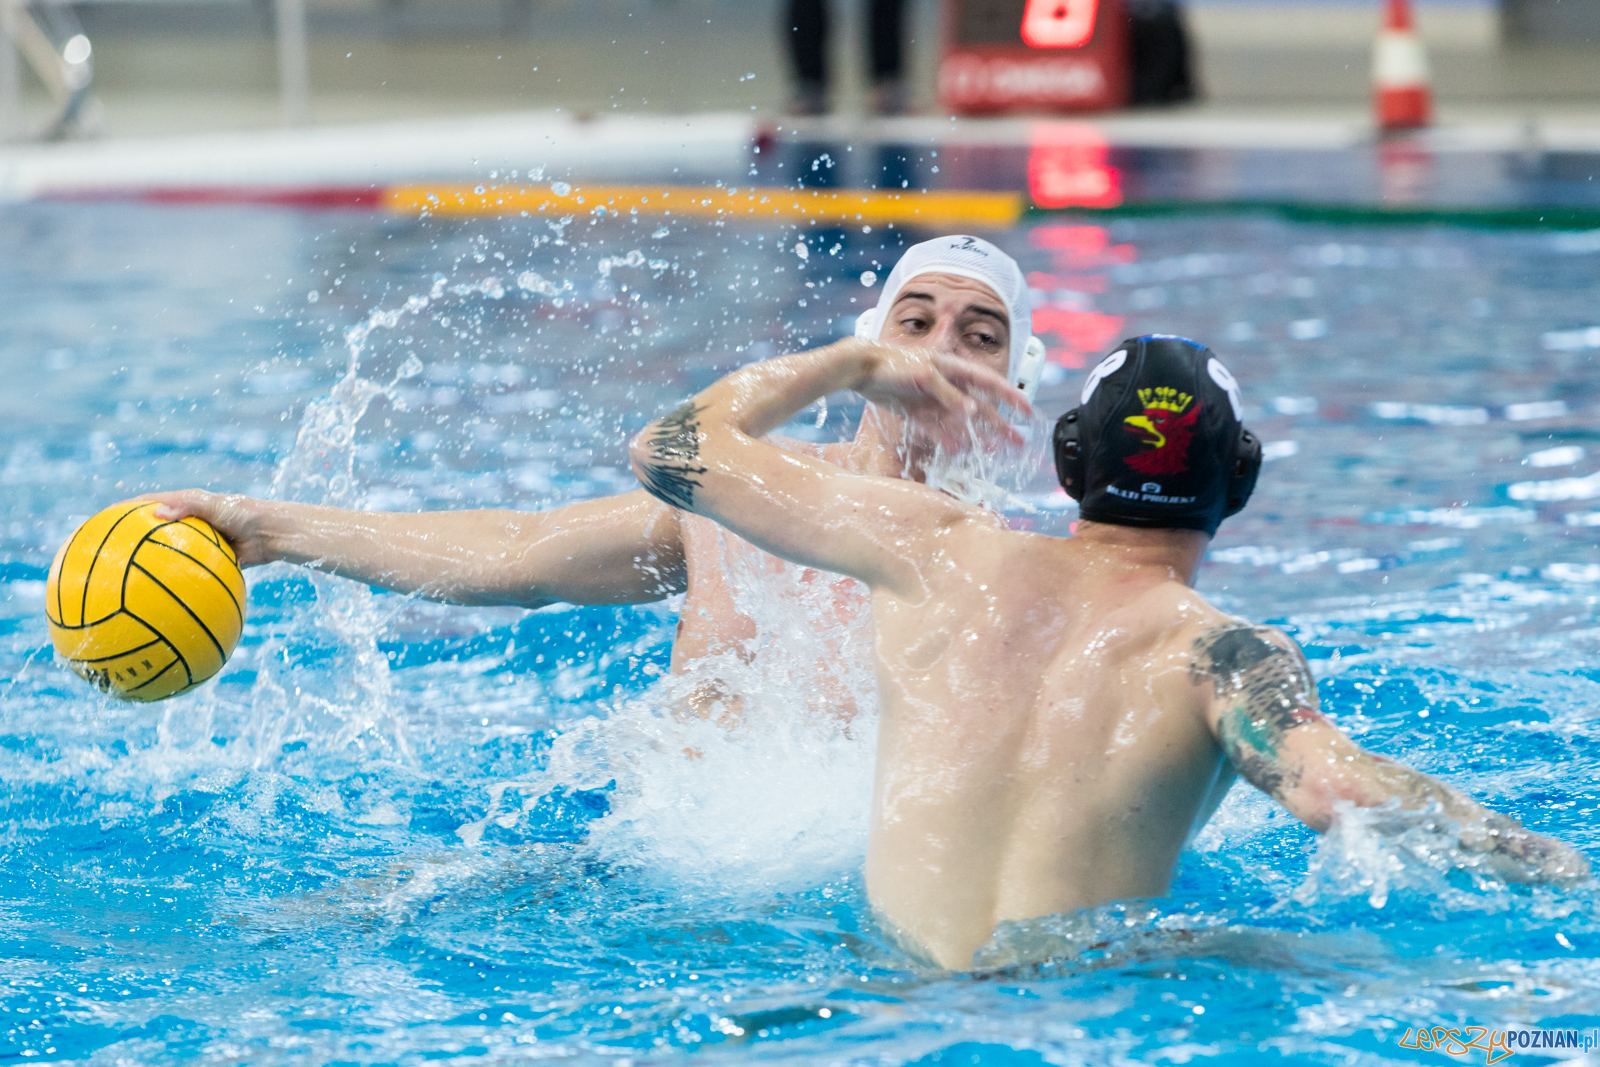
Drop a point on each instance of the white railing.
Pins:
(294, 64)
(10, 86)
(47, 35)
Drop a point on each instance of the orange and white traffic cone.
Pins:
(1401, 93)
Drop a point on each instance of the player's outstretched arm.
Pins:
(623, 549)
(708, 457)
(1263, 711)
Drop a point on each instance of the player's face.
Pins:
(954, 316)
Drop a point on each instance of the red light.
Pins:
(1059, 23)
(1077, 283)
(1067, 167)
(1081, 242)
(1081, 331)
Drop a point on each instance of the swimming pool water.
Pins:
(394, 832)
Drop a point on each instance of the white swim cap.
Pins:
(975, 258)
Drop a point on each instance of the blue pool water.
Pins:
(393, 832)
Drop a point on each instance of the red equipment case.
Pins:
(1034, 55)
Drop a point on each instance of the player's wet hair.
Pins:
(1157, 440)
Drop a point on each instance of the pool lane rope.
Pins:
(866, 206)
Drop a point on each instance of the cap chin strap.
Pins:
(1025, 376)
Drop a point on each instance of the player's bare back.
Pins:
(1042, 745)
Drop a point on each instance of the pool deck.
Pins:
(1470, 161)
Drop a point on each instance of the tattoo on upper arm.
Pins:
(674, 442)
(1269, 690)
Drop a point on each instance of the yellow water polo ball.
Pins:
(144, 608)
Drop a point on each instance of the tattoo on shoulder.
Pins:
(670, 474)
(1269, 691)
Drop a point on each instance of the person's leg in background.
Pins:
(807, 25)
(1160, 53)
(886, 31)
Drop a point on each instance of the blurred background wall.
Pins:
(169, 65)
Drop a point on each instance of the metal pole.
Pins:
(294, 65)
(10, 77)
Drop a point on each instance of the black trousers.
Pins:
(1159, 53)
(808, 25)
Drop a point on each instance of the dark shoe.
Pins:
(890, 98)
(810, 99)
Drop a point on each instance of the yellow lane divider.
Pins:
(870, 206)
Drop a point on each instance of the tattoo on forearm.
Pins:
(1271, 692)
(670, 473)
(1268, 690)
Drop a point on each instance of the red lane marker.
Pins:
(316, 197)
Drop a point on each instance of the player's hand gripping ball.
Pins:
(143, 608)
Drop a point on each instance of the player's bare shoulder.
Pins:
(1229, 654)
(1178, 616)
(1155, 630)
(1167, 618)
(1260, 689)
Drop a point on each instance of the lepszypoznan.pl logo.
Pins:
(1496, 1045)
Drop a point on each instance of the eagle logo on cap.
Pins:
(1165, 428)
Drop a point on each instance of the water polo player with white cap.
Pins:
(633, 548)
(976, 260)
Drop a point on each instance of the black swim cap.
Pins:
(1157, 439)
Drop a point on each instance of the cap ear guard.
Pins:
(1068, 446)
(1246, 468)
(1026, 375)
(867, 325)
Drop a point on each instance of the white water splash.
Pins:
(752, 770)
(321, 467)
(635, 258)
(1377, 852)
(352, 706)
(979, 472)
(781, 798)
(779, 801)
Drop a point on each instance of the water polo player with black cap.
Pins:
(1058, 715)
(1171, 455)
